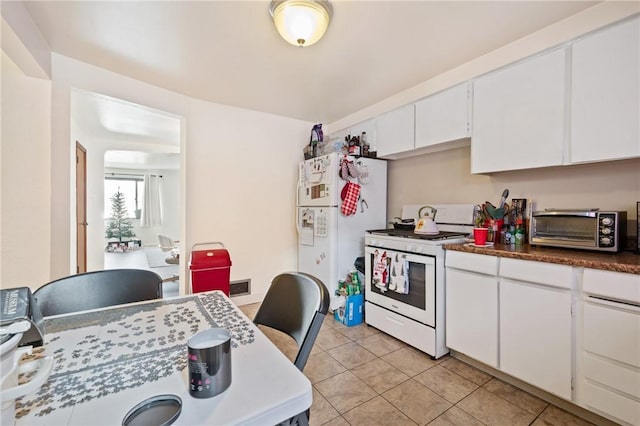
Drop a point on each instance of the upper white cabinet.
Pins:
(370, 127)
(519, 115)
(605, 94)
(443, 117)
(396, 131)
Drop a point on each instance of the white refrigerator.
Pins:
(329, 241)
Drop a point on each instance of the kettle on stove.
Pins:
(426, 223)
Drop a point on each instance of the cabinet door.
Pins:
(369, 126)
(605, 94)
(396, 131)
(535, 335)
(340, 134)
(518, 115)
(443, 117)
(472, 315)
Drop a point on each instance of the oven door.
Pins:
(419, 302)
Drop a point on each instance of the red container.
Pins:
(210, 269)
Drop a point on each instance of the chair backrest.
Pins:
(166, 243)
(296, 304)
(98, 289)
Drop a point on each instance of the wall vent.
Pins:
(240, 287)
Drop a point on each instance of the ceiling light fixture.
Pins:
(301, 22)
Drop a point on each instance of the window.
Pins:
(132, 186)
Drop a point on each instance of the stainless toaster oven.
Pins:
(589, 229)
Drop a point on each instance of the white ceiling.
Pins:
(229, 52)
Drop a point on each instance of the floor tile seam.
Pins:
(538, 416)
(467, 413)
(347, 368)
(508, 402)
(370, 399)
(470, 381)
(356, 343)
(522, 408)
(353, 408)
(334, 347)
(399, 409)
(444, 397)
(326, 378)
(380, 393)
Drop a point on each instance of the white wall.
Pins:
(25, 192)
(239, 172)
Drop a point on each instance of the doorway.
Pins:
(81, 208)
(104, 124)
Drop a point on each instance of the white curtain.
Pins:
(151, 206)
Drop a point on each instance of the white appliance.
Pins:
(410, 306)
(328, 241)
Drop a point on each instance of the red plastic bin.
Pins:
(210, 268)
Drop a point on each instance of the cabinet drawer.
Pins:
(612, 333)
(537, 272)
(611, 403)
(612, 375)
(616, 285)
(479, 263)
(415, 334)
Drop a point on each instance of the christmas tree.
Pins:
(119, 225)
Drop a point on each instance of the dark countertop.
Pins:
(628, 262)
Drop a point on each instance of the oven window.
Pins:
(416, 278)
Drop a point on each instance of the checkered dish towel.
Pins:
(350, 200)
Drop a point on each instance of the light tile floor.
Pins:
(362, 376)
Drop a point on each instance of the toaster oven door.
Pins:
(564, 230)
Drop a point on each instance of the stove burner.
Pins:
(408, 233)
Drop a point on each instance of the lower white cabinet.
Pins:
(536, 335)
(571, 331)
(472, 315)
(609, 377)
(472, 306)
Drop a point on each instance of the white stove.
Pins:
(405, 277)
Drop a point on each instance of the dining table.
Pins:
(106, 361)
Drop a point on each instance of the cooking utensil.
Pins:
(399, 223)
(494, 212)
(505, 194)
(426, 221)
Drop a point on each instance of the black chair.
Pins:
(296, 304)
(97, 289)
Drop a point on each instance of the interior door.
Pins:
(81, 208)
